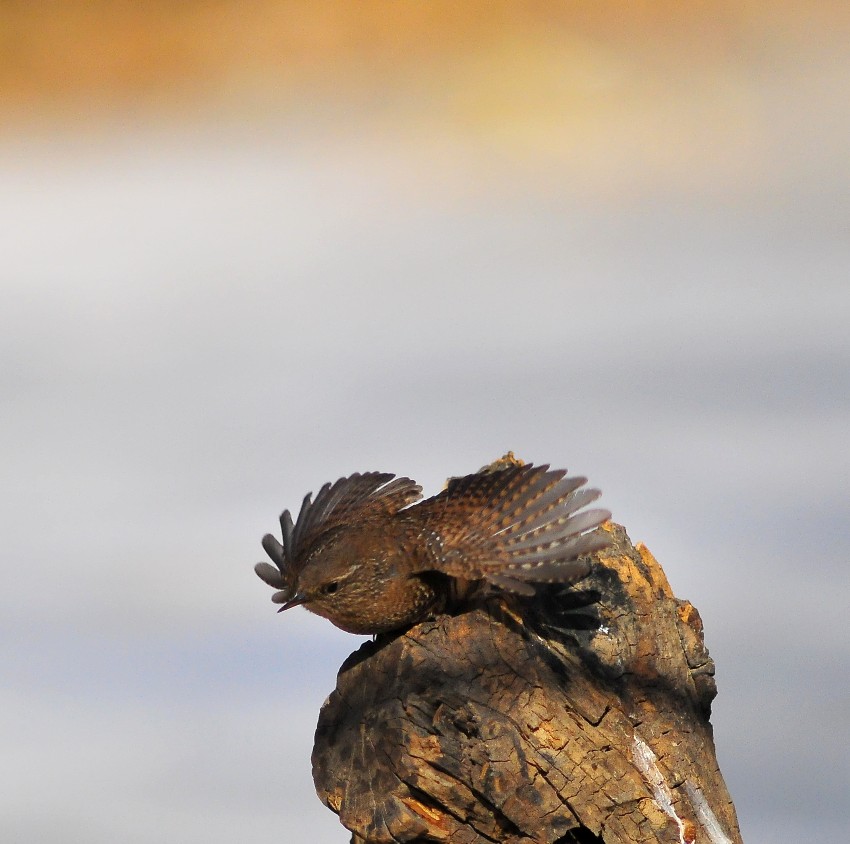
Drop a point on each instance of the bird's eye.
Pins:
(330, 588)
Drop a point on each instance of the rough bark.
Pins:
(581, 716)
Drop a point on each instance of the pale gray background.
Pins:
(200, 325)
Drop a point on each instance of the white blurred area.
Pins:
(201, 321)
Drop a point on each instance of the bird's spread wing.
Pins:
(344, 502)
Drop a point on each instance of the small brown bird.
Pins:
(360, 556)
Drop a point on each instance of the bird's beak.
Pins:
(287, 601)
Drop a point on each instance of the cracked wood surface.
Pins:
(533, 722)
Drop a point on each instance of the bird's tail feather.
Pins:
(518, 526)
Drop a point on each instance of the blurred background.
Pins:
(249, 248)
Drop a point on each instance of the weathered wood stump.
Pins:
(533, 722)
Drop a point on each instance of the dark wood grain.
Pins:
(564, 719)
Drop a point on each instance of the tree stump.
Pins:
(577, 716)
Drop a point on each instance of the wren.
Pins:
(370, 560)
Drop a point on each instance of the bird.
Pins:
(371, 557)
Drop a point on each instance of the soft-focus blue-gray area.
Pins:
(197, 329)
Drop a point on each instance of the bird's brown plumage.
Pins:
(363, 555)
